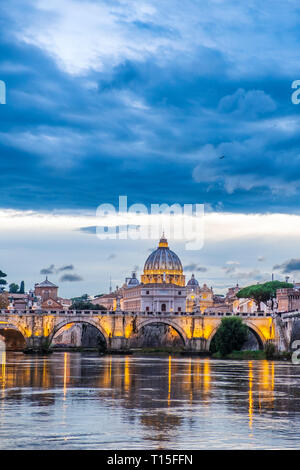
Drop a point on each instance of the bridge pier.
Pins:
(37, 344)
(117, 343)
(197, 345)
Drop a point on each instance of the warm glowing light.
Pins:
(206, 375)
(126, 374)
(250, 394)
(169, 380)
(65, 374)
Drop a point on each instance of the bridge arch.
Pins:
(164, 321)
(75, 321)
(257, 333)
(6, 327)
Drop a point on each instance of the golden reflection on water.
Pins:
(3, 372)
(169, 380)
(65, 373)
(126, 374)
(206, 375)
(250, 409)
(154, 386)
(266, 383)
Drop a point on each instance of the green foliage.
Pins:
(2, 281)
(13, 288)
(262, 292)
(82, 297)
(83, 305)
(22, 287)
(270, 351)
(242, 355)
(230, 336)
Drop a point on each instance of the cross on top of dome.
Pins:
(163, 242)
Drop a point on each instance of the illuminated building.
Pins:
(47, 294)
(198, 298)
(288, 299)
(162, 287)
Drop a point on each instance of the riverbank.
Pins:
(165, 351)
(255, 355)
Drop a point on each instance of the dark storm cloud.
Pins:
(49, 270)
(288, 266)
(53, 270)
(70, 278)
(153, 126)
(194, 267)
(68, 267)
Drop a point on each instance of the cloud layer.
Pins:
(142, 98)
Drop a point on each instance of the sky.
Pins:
(185, 102)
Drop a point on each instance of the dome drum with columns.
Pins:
(162, 287)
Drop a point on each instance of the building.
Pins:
(231, 295)
(46, 290)
(288, 299)
(193, 293)
(109, 301)
(198, 298)
(47, 296)
(162, 287)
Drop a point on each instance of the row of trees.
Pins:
(16, 289)
(85, 305)
(2, 280)
(3, 297)
(13, 288)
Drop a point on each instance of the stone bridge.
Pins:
(287, 326)
(116, 328)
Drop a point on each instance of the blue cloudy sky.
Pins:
(142, 98)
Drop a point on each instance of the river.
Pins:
(85, 401)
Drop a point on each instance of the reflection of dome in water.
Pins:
(163, 265)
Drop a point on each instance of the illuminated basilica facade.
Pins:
(162, 287)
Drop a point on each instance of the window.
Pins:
(179, 309)
(147, 309)
(179, 292)
(147, 292)
(163, 307)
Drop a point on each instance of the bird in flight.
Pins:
(223, 156)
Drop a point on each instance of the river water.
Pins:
(83, 401)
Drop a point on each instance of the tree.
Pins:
(262, 292)
(2, 281)
(82, 297)
(13, 288)
(82, 305)
(230, 336)
(22, 288)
